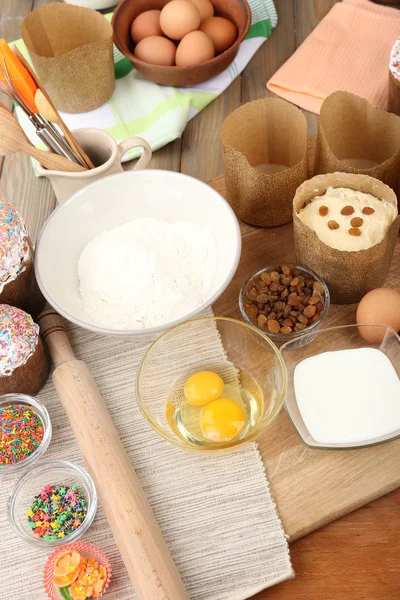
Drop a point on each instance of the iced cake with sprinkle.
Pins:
(23, 362)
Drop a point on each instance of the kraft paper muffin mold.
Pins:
(265, 158)
(355, 137)
(348, 275)
(72, 52)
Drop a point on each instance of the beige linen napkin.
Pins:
(216, 513)
(349, 51)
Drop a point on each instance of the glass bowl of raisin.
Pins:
(284, 301)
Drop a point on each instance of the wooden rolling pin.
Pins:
(138, 537)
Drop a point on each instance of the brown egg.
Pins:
(380, 306)
(156, 50)
(205, 8)
(178, 18)
(145, 25)
(195, 49)
(221, 31)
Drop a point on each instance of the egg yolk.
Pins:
(221, 420)
(203, 387)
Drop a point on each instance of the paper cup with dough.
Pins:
(349, 275)
(265, 158)
(394, 79)
(355, 137)
(71, 49)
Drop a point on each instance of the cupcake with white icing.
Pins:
(18, 285)
(345, 230)
(23, 362)
(394, 79)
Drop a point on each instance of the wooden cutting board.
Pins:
(310, 487)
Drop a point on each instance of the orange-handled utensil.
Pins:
(22, 81)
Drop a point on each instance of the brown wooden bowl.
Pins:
(237, 11)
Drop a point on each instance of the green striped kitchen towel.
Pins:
(158, 113)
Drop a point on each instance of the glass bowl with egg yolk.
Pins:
(211, 384)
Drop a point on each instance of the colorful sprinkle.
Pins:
(21, 433)
(57, 511)
(19, 336)
(14, 244)
(394, 64)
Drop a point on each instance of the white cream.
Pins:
(348, 396)
(373, 228)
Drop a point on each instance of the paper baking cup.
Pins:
(348, 275)
(72, 52)
(85, 550)
(258, 138)
(355, 137)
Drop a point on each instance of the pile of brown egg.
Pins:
(184, 33)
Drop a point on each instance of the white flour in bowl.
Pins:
(146, 273)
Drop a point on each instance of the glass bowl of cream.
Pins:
(343, 391)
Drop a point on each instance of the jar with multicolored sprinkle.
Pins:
(25, 432)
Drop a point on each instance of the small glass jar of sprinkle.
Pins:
(53, 504)
(80, 566)
(25, 432)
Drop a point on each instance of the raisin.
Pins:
(261, 320)
(286, 330)
(260, 285)
(367, 210)
(323, 211)
(262, 298)
(302, 319)
(273, 326)
(275, 276)
(347, 210)
(310, 311)
(299, 327)
(279, 306)
(333, 225)
(286, 310)
(285, 293)
(355, 231)
(266, 277)
(295, 281)
(319, 287)
(286, 270)
(356, 222)
(252, 294)
(316, 297)
(294, 300)
(288, 323)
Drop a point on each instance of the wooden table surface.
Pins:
(356, 557)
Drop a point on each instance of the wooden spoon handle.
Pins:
(52, 161)
(73, 142)
(138, 537)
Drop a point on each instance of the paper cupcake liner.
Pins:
(257, 136)
(72, 52)
(355, 137)
(85, 550)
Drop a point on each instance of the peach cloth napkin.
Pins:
(349, 51)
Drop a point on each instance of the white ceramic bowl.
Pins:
(96, 4)
(112, 201)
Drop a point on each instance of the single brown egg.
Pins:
(378, 307)
(221, 31)
(178, 18)
(156, 50)
(145, 25)
(195, 49)
(205, 8)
